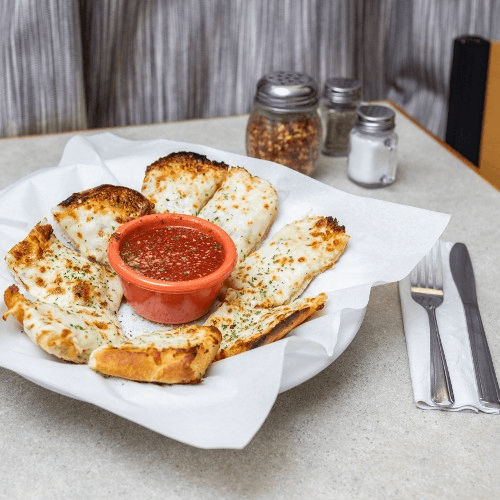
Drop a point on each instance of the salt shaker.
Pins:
(284, 125)
(372, 159)
(339, 102)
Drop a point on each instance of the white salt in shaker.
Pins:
(372, 159)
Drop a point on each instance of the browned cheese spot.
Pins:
(101, 325)
(82, 291)
(65, 333)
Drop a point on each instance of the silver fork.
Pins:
(427, 290)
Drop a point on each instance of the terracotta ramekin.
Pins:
(170, 302)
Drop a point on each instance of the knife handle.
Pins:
(487, 384)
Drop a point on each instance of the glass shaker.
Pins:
(340, 100)
(284, 125)
(372, 159)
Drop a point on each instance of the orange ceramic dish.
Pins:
(161, 300)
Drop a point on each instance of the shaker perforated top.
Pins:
(287, 91)
(375, 118)
(342, 90)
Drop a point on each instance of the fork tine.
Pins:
(422, 272)
(429, 269)
(428, 273)
(417, 275)
(424, 283)
(434, 268)
(438, 268)
(413, 276)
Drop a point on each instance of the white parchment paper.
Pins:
(233, 401)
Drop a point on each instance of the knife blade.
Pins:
(463, 275)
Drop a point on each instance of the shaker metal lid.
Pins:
(374, 118)
(342, 90)
(287, 90)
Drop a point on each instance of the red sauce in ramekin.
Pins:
(173, 253)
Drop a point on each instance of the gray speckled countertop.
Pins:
(352, 431)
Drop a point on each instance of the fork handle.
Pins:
(441, 389)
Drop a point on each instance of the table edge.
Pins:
(440, 141)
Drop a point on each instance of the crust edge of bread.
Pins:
(150, 363)
(188, 157)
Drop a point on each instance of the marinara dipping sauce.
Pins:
(175, 253)
(171, 266)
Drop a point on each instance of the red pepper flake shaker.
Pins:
(284, 125)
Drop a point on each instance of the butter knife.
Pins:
(463, 275)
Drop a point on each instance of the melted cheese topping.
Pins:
(244, 325)
(280, 270)
(89, 218)
(89, 235)
(182, 337)
(56, 274)
(245, 206)
(182, 182)
(70, 334)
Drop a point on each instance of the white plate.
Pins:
(231, 404)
